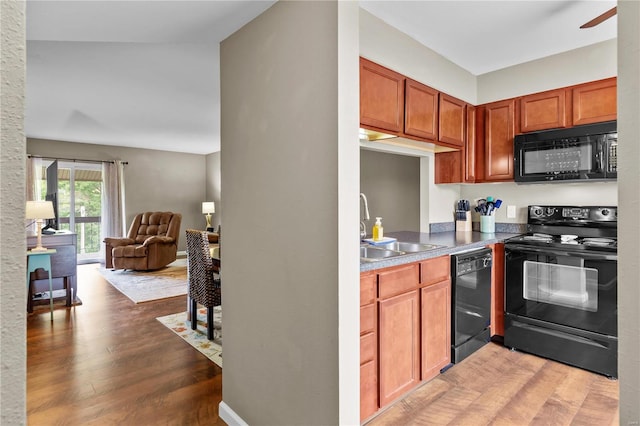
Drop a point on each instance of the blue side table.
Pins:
(41, 259)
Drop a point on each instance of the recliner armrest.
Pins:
(158, 239)
(115, 242)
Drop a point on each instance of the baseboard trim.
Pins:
(229, 416)
(181, 254)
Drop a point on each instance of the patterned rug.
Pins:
(142, 286)
(212, 349)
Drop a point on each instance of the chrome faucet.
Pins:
(363, 227)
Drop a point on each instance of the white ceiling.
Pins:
(145, 74)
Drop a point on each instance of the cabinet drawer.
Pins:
(368, 281)
(367, 347)
(367, 319)
(368, 390)
(435, 270)
(398, 280)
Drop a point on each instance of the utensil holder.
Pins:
(464, 225)
(488, 224)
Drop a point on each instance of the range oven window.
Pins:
(552, 159)
(572, 286)
(553, 287)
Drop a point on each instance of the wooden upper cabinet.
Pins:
(381, 97)
(451, 124)
(499, 129)
(595, 102)
(546, 110)
(421, 110)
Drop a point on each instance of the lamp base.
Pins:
(39, 249)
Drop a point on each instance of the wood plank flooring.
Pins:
(495, 386)
(109, 362)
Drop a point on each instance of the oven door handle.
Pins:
(584, 254)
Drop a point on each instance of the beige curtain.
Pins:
(113, 216)
(34, 179)
(33, 189)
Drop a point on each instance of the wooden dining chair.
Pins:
(203, 287)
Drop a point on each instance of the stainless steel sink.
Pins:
(371, 253)
(409, 247)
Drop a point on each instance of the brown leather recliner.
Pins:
(152, 243)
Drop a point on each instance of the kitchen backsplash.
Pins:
(512, 228)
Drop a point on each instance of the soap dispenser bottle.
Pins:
(378, 230)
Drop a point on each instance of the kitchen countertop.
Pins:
(451, 242)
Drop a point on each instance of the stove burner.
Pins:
(598, 242)
(545, 238)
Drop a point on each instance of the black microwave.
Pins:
(587, 152)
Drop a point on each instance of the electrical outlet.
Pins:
(511, 212)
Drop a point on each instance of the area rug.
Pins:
(140, 286)
(212, 349)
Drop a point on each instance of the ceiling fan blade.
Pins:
(599, 19)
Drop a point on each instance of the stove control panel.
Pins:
(547, 214)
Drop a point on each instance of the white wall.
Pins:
(577, 66)
(289, 163)
(629, 223)
(13, 246)
(214, 186)
(592, 193)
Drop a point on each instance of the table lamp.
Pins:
(39, 210)
(208, 207)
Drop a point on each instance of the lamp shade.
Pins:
(208, 207)
(39, 210)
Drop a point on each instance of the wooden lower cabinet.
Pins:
(405, 330)
(399, 345)
(368, 345)
(436, 328)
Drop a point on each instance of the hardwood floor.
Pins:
(495, 386)
(109, 361)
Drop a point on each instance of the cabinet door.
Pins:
(546, 110)
(399, 342)
(451, 120)
(421, 110)
(436, 328)
(381, 97)
(595, 102)
(469, 153)
(448, 167)
(368, 390)
(498, 140)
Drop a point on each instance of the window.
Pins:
(79, 195)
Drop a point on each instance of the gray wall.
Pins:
(391, 183)
(154, 180)
(629, 224)
(214, 185)
(13, 245)
(290, 173)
